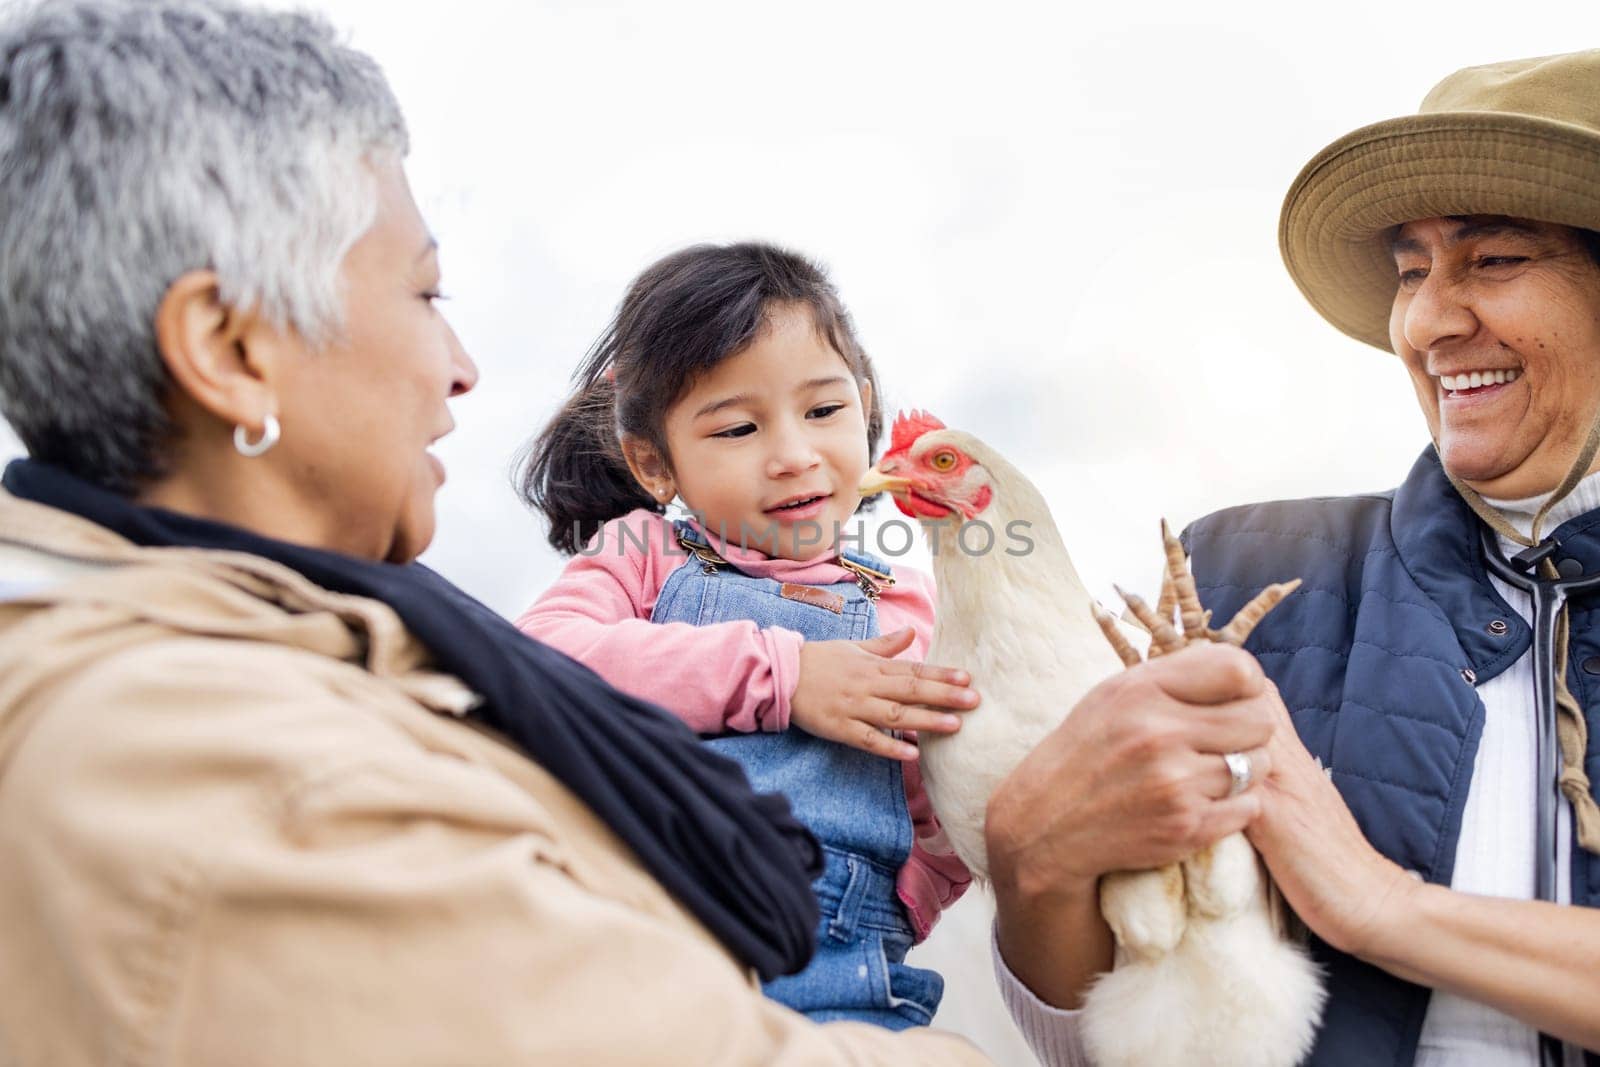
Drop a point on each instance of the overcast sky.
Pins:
(1055, 225)
(1056, 229)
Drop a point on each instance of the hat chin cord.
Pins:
(1572, 730)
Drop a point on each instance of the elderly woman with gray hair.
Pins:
(269, 792)
(1441, 662)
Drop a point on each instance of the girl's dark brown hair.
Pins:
(680, 318)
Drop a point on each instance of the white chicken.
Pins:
(1204, 973)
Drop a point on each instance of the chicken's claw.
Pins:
(1163, 638)
(1167, 602)
(1251, 614)
(1119, 644)
(1178, 593)
(1190, 613)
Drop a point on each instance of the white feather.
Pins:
(1021, 625)
(1203, 976)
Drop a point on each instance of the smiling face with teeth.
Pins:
(1498, 323)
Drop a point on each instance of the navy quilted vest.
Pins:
(1377, 656)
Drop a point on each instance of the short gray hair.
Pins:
(140, 139)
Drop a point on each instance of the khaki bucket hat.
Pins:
(1519, 139)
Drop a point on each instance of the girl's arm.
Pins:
(730, 676)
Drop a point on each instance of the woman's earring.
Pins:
(270, 432)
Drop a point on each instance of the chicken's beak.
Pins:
(878, 482)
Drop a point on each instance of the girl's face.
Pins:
(768, 448)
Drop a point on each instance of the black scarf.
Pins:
(736, 859)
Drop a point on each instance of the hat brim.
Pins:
(1336, 221)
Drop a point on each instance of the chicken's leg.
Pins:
(1147, 909)
(1203, 973)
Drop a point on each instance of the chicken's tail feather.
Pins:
(1230, 995)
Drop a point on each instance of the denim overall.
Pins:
(855, 803)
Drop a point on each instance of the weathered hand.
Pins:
(1134, 777)
(854, 691)
(1347, 892)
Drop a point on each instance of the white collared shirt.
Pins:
(1495, 851)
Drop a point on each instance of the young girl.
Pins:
(732, 380)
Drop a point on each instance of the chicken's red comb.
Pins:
(910, 425)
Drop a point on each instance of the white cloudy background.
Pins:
(1055, 228)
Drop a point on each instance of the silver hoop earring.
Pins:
(270, 432)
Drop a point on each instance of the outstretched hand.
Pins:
(853, 692)
(1347, 892)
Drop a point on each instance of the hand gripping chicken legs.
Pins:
(1205, 970)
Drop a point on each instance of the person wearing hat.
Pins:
(1430, 813)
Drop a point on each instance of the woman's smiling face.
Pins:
(1498, 322)
(770, 445)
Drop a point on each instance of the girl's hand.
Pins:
(1348, 893)
(853, 691)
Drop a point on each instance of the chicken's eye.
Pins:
(943, 460)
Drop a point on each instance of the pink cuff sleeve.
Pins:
(934, 877)
(730, 676)
(1055, 1035)
(783, 660)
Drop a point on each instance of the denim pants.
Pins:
(855, 803)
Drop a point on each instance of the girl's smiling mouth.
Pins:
(799, 507)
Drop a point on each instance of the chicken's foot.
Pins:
(1179, 596)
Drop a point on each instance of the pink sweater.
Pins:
(730, 675)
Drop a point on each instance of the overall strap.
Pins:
(698, 547)
(873, 577)
(870, 573)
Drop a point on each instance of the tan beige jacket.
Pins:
(241, 824)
